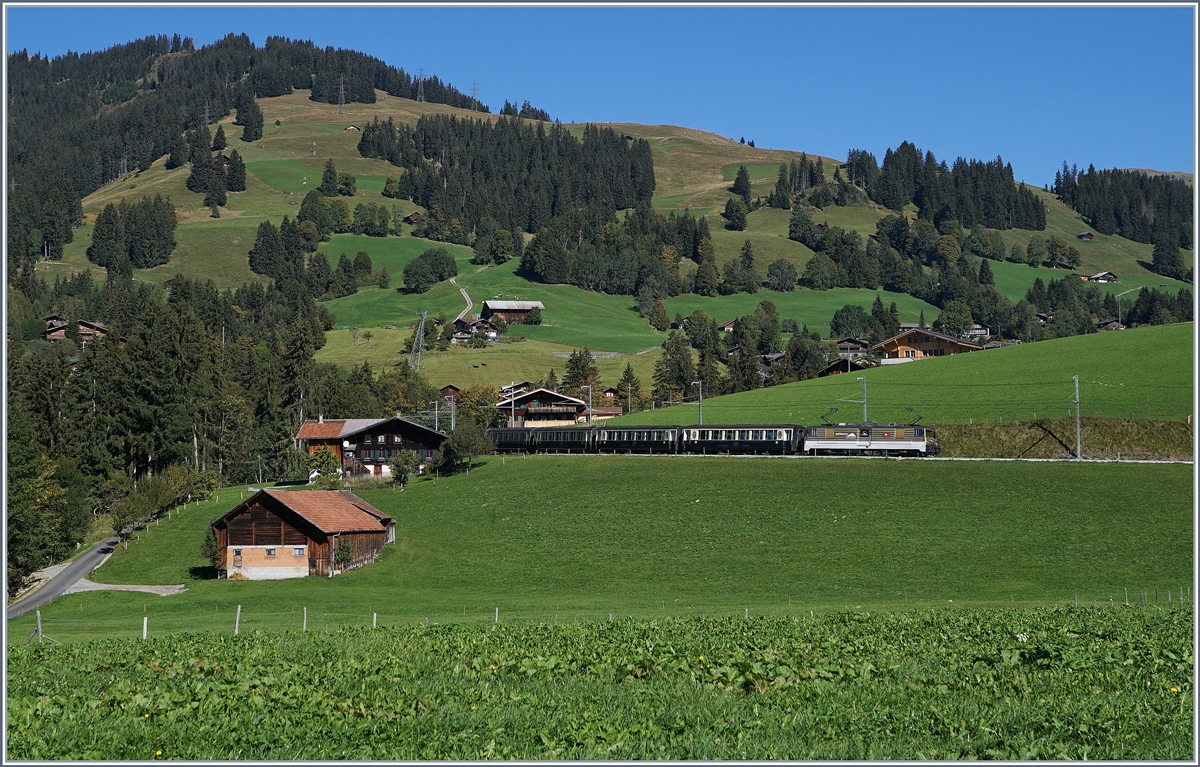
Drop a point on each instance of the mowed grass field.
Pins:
(582, 537)
(1015, 383)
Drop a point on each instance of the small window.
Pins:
(237, 552)
(270, 552)
(366, 438)
(298, 551)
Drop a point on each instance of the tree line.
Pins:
(1137, 206)
(132, 236)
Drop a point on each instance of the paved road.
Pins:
(69, 575)
(466, 296)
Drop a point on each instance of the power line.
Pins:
(341, 95)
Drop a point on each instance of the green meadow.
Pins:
(585, 536)
(1014, 383)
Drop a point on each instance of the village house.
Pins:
(412, 219)
(911, 345)
(449, 393)
(542, 407)
(1085, 236)
(610, 392)
(56, 329)
(1109, 324)
(852, 348)
(351, 129)
(511, 311)
(979, 330)
(464, 330)
(1103, 277)
(364, 445)
(1044, 319)
(726, 327)
(839, 366)
(276, 534)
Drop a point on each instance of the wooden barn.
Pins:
(511, 311)
(276, 534)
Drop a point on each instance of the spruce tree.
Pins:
(329, 180)
(249, 116)
(108, 237)
(629, 388)
(179, 153)
(235, 174)
(741, 185)
(707, 278)
(219, 140)
(985, 274)
(200, 157)
(215, 192)
(267, 254)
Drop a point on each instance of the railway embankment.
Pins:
(1102, 438)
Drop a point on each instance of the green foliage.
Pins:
(433, 266)
(658, 316)
(735, 214)
(235, 174)
(466, 443)
(1027, 684)
(325, 463)
(534, 317)
(781, 276)
(219, 142)
(211, 550)
(741, 185)
(329, 180)
(401, 465)
(581, 371)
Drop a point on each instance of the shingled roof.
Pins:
(331, 428)
(330, 511)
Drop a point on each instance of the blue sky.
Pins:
(1108, 86)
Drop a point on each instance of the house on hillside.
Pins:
(276, 534)
(979, 330)
(610, 392)
(57, 327)
(1109, 324)
(852, 348)
(449, 393)
(351, 129)
(465, 329)
(1085, 236)
(543, 408)
(918, 344)
(412, 219)
(364, 445)
(726, 327)
(839, 366)
(511, 311)
(1044, 319)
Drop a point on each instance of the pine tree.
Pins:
(707, 279)
(658, 316)
(179, 153)
(215, 192)
(219, 140)
(329, 180)
(629, 387)
(735, 214)
(200, 157)
(266, 257)
(249, 116)
(235, 174)
(741, 185)
(985, 274)
(108, 237)
(581, 370)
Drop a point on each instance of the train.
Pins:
(870, 438)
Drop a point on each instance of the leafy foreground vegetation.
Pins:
(1074, 683)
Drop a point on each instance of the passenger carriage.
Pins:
(637, 439)
(549, 439)
(742, 439)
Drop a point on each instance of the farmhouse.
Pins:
(979, 330)
(918, 344)
(1109, 324)
(1085, 236)
(412, 219)
(351, 129)
(1098, 277)
(56, 329)
(449, 393)
(542, 407)
(364, 445)
(839, 366)
(610, 392)
(726, 327)
(851, 348)
(510, 310)
(465, 329)
(278, 534)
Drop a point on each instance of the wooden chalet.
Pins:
(57, 327)
(276, 534)
(449, 393)
(1103, 277)
(1109, 324)
(1085, 236)
(1045, 319)
(852, 348)
(412, 219)
(364, 445)
(513, 389)
(465, 329)
(726, 327)
(351, 129)
(511, 311)
(610, 392)
(979, 330)
(542, 407)
(839, 366)
(919, 344)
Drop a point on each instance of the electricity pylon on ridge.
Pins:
(418, 344)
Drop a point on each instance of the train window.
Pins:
(743, 434)
(757, 434)
(787, 434)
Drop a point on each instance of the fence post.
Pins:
(237, 621)
(304, 626)
(1127, 596)
(374, 618)
(145, 624)
(747, 613)
(497, 618)
(39, 626)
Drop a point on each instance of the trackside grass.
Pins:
(1071, 683)
(583, 537)
(1139, 374)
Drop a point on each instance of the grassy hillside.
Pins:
(586, 536)
(1117, 379)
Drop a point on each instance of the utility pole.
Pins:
(1139, 287)
(1075, 399)
(701, 385)
(420, 83)
(512, 400)
(341, 95)
(474, 95)
(856, 401)
(414, 355)
(589, 388)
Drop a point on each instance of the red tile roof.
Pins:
(333, 511)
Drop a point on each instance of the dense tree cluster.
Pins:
(79, 121)
(527, 111)
(969, 192)
(431, 267)
(133, 235)
(518, 174)
(1140, 207)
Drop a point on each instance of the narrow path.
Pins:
(87, 585)
(64, 579)
(466, 296)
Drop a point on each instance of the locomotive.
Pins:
(870, 438)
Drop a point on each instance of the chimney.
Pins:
(320, 419)
(397, 413)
